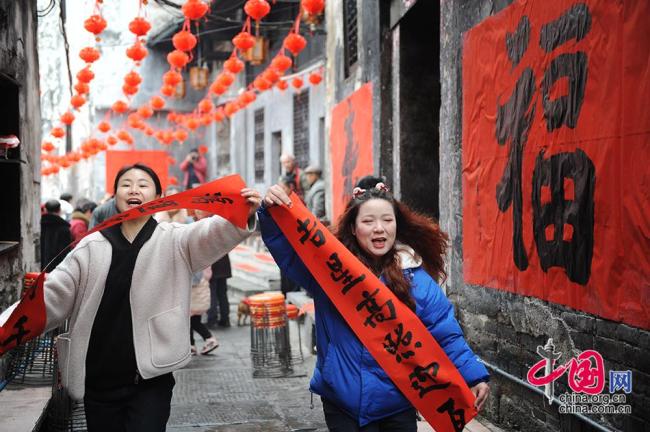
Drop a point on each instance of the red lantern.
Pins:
(157, 102)
(129, 90)
(195, 9)
(173, 180)
(104, 126)
(271, 75)
(192, 123)
(297, 82)
(133, 79)
(249, 96)
(184, 41)
(139, 26)
(203, 149)
(123, 135)
(180, 135)
(145, 111)
(172, 78)
(111, 140)
(81, 88)
(148, 130)
(243, 41)
(167, 90)
(313, 7)
(205, 120)
(89, 54)
(257, 9)
(47, 146)
(230, 109)
(315, 78)
(67, 118)
(205, 106)
(95, 24)
(295, 43)
(282, 85)
(136, 52)
(178, 59)
(218, 114)
(120, 107)
(225, 79)
(281, 62)
(57, 132)
(135, 121)
(77, 101)
(233, 64)
(217, 88)
(261, 84)
(85, 75)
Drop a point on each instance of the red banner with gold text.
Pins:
(221, 197)
(391, 332)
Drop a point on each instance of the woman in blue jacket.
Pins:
(406, 251)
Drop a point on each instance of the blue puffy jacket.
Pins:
(346, 374)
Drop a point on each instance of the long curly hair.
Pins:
(416, 230)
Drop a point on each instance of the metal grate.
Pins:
(351, 34)
(259, 145)
(301, 128)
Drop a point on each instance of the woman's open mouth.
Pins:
(133, 202)
(379, 242)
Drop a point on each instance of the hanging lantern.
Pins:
(195, 9)
(145, 111)
(315, 78)
(180, 135)
(48, 146)
(57, 132)
(297, 82)
(77, 101)
(219, 114)
(157, 102)
(261, 84)
(281, 62)
(233, 64)
(167, 90)
(85, 75)
(199, 77)
(129, 90)
(257, 9)
(172, 78)
(230, 109)
(148, 131)
(192, 123)
(295, 43)
(137, 51)
(243, 41)
(313, 7)
(104, 126)
(205, 106)
(139, 26)
(123, 135)
(249, 96)
(271, 75)
(133, 79)
(135, 121)
(74, 156)
(81, 88)
(178, 59)
(111, 140)
(89, 54)
(217, 88)
(282, 85)
(225, 79)
(203, 149)
(67, 118)
(120, 107)
(258, 53)
(184, 41)
(205, 120)
(95, 24)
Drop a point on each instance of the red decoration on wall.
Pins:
(89, 54)
(139, 26)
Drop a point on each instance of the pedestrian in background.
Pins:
(103, 212)
(66, 205)
(195, 168)
(219, 312)
(315, 197)
(406, 251)
(80, 218)
(292, 172)
(55, 234)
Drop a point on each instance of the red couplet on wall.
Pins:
(350, 145)
(155, 159)
(556, 148)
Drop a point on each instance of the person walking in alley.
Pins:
(315, 197)
(406, 250)
(219, 312)
(80, 218)
(298, 181)
(55, 234)
(195, 168)
(103, 212)
(126, 293)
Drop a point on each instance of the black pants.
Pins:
(142, 407)
(339, 421)
(219, 305)
(197, 326)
